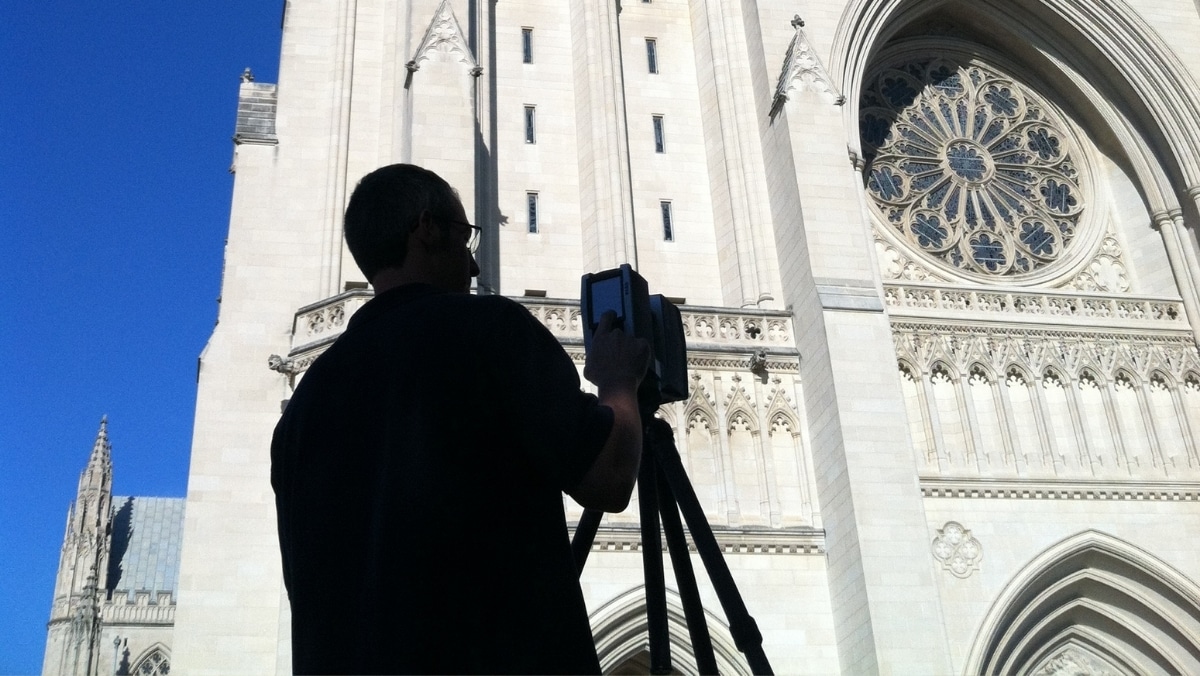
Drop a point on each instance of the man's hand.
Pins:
(616, 359)
(616, 364)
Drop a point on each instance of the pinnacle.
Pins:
(101, 449)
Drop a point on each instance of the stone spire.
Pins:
(75, 613)
(98, 473)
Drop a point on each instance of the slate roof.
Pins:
(147, 538)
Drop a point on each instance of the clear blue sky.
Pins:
(115, 126)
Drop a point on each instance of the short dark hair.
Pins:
(385, 208)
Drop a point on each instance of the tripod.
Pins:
(663, 488)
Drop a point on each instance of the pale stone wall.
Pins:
(1012, 532)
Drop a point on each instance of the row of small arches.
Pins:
(700, 418)
(1121, 377)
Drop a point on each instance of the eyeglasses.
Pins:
(473, 238)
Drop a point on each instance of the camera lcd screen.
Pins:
(606, 295)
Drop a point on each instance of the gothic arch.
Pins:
(621, 633)
(1055, 372)
(908, 366)
(1151, 72)
(1021, 371)
(1163, 375)
(947, 366)
(740, 408)
(789, 419)
(988, 372)
(1129, 374)
(154, 661)
(1092, 597)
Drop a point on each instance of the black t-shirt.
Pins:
(418, 473)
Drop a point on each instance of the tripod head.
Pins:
(653, 318)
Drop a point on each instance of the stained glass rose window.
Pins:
(969, 167)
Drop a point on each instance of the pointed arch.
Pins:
(699, 405)
(1100, 597)
(982, 367)
(946, 366)
(154, 661)
(741, 407)
(620, 629)
(1152, 72)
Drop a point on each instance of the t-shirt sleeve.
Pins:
(558, 426)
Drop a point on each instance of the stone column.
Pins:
(606, 193)
(1182, 258)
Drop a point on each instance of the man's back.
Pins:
(419, 471)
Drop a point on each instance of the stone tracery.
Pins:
(970, 168)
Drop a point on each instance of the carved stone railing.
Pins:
(1078, 309)
(323, 321)
(139, 607)
(706, 329)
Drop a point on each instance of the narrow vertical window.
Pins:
(530, 121)
(531, 210)
(652, 54)
(668, 225)
(660, 141)
(527, 45)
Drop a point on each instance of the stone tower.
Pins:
(79, 588)
(114, 609)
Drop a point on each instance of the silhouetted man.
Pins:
(420, 464)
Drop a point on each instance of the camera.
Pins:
(653, 318)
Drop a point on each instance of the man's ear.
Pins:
(425, 230)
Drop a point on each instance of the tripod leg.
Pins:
(585, 535)
(652, 568)
(685, 576)
(745, 631)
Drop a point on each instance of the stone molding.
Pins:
(1060, 490)
(848, 295)
(1077, 310)
(731, 541)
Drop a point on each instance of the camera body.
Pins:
(653, 318)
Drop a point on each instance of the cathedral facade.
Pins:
(938, 268)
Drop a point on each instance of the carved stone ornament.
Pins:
(1072, 661)
(803, 71)
(1106, 272)
(957, 549)
(444, 35)
(1103, 355)
(895, 264)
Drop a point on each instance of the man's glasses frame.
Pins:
(473, 239)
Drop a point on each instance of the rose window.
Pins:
(969, 167)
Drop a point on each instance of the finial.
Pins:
(247, 76)
(797, 22)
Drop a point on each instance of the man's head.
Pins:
(406, 219)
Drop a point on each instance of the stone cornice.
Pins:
(1079, 311)
(1034, 489)
(731, 541)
